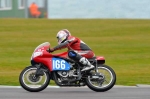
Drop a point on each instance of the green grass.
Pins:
(125, 44)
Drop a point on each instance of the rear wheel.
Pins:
(102, 81)
(30, 82)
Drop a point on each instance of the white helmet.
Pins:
(63, 35)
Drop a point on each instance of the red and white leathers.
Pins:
(77, 49)
(77, 45)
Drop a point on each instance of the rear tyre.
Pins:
(29, 82)
(105, 81)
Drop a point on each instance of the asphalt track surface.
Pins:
(76, 93)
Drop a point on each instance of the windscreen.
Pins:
(38, 47)
(42, 45)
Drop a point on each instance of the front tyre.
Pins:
(31, 83)
(104, 80)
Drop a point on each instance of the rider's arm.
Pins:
(61, 46)
(65, 44)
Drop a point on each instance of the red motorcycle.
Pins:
(64, 72)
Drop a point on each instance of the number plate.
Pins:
(60, 64)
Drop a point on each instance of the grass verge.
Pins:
(124, 43)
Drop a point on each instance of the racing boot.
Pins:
(86, 63)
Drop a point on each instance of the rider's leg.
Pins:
(75, 56)
(86, 63)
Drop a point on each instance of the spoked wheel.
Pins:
(33, 83)
(103, 80)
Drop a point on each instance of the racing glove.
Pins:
(50, 50)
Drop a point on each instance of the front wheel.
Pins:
(30, 82)
(103, 80)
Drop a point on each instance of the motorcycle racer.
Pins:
(77, 49)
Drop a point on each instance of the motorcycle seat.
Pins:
(92, 59)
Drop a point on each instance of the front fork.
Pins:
(40, 70)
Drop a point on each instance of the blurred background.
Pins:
(23, 8)
(119, 30)
(76, 8)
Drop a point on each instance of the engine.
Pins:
(63, 73)
(66, 74)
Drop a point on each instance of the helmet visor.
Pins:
(60, 40)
